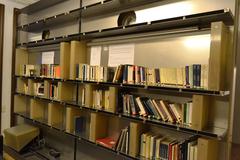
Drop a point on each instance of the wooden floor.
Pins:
(236, 152)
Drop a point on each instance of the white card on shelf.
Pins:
(48, 57)
(121, 54)
(95, 56)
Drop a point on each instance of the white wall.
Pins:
(7, 59)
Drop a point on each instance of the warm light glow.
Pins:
(202, 41)
(164, 12)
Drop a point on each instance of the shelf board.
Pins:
(213, 132)
(71, 134)
(50, 41)
(164, 88)
(49, 22)
(111, 6)
(201, 20)
(40, 5)
(96, 9)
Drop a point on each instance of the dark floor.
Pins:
(236, 152)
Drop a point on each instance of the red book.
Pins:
(107, 142)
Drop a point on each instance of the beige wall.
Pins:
(7, 59)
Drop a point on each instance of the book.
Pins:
(107, 142)
(80, 126)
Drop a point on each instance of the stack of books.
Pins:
(130, 74)
(158, 109)
(53, 91)
(44, 70)
(50, 71)
(193, 76)
(154, 146)
(27, 70)
(86, 72)
(120, 145)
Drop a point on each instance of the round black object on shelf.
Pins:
(126, 18)
(45, 34)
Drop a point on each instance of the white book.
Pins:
(195, 152)
(130, 75)
(175, 112)
(141, 107)
(191, 154)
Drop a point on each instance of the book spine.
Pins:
(195, 75)
(198, 75)
(125, 73)
(187, 75)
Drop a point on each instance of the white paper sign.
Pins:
(95, 55)
(48, 57)
(121, 54)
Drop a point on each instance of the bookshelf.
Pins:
(92, 112)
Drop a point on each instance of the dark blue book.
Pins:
(125, 74)
(147, 108)
(153, 109)
(199, 75)
(80, 126)
(157, 75)
(144, 74)
(194, 75)
(187, 75)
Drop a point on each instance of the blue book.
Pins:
(199, 75)
(194, 75)
(187, 75)
(80, 126)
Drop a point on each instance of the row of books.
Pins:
(158, 109)
(86, 72)
(195, 75)
(120, 145)
(44, 70)
(154, 147)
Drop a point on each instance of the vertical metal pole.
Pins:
(2, 11)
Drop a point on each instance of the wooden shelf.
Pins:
(42, 4)
(49, 22)
(96, 9)
(71, 134)
(218, 133)
(201, 20)
(176, 89)
(111, 6)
